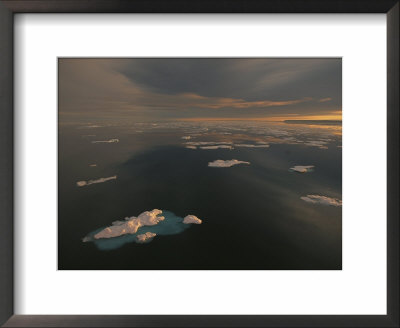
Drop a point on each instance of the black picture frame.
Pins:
(10, 7)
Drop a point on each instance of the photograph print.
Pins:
(199, 164)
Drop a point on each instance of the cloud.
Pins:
(249, 78)
(196, 101)
(92, 165)
(323, 200)
(191, 219)
(302, 169)
(106, 141)
(186, 137)
(191, 147)
(228, 163)
(101, 180)
(178, 88)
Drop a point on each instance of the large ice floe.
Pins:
(228, 163)
(323, 200)
(140, 229)
(302, 168)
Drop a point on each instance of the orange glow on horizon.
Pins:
(337, 115)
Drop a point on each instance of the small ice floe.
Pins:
(279, 133)
(323, 200)
(216, 147)
(101, 180)
(228, 163)
(186, 137)
(252, 146)
(321, 144)
(146, 237)
(92, 126)
(106, 141)
(92, 165)
(208, 143)
(191, 219)
(302, 169)
(291, 141)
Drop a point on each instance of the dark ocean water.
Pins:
(253, 217)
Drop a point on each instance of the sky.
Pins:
(196, 89)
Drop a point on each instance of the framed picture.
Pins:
(199, 164)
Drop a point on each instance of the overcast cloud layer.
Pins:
(150, 89)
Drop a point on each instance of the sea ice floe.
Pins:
(106, 141)
(186, 137)
(302, 169)
(252, 146)
(317, 143)
(227, 163)
(101, 180)
(90, 126)
(146, 237)
(216, 147)
(141, 229)
(223, 145)
(208, 143)
(323, 200)
(191, 219)
(130, 225)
